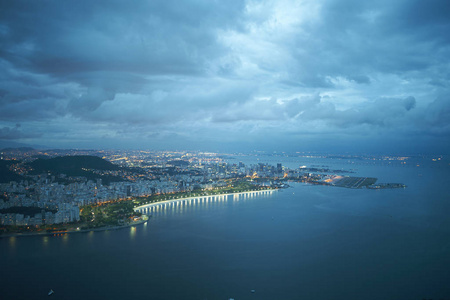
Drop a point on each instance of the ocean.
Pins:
(303, 242)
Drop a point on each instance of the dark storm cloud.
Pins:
(110, 47)
(30, 96)
(234, 70)
(14, 133)
(437, 114)
(151, 37)
(367, 37)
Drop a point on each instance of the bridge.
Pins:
(158, 206)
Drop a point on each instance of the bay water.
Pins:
(303, 242)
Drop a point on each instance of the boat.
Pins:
(51, 292)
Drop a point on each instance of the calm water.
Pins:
(305, 242)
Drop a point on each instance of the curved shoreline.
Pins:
(196, 197)
(105, 228)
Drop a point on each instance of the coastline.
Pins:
(137, 208)
(144, 220)
(58, 233)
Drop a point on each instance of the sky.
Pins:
(314, 75)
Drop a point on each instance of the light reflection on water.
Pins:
(45, 240)
(144, 227)
(65, 238)
(132, 232)
(90, 235)
(203, 203)
(12, 241)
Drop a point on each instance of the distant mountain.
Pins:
(5, 174)
(71, 165)
(12, 144)
(19, 149)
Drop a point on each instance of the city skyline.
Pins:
(56, 186)
(334, 76)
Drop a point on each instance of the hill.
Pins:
(75, 166)
(19, 149)
(71, 164)
(11, 144)
(6, 175)
(178, 163)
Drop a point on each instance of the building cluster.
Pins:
(59, 201)
(57, 198)
(66, 200)
(66, 213)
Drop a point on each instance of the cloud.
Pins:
(14, 133)
(437, 113)
(235, 70)
(360, 79)
(89, 101)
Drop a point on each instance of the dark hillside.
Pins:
(75, 166)
(5, 174)
(71, 165)
(178, 163)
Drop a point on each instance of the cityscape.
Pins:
(57, 196)
(225, 150)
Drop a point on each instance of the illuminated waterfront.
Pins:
(182, 202)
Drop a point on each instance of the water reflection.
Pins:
(144, 227)
(65, 238)
(12, 241)
(90, 235)
(132, 232)
(203, 203)
(45, 240)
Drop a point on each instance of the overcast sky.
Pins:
(320, 75)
